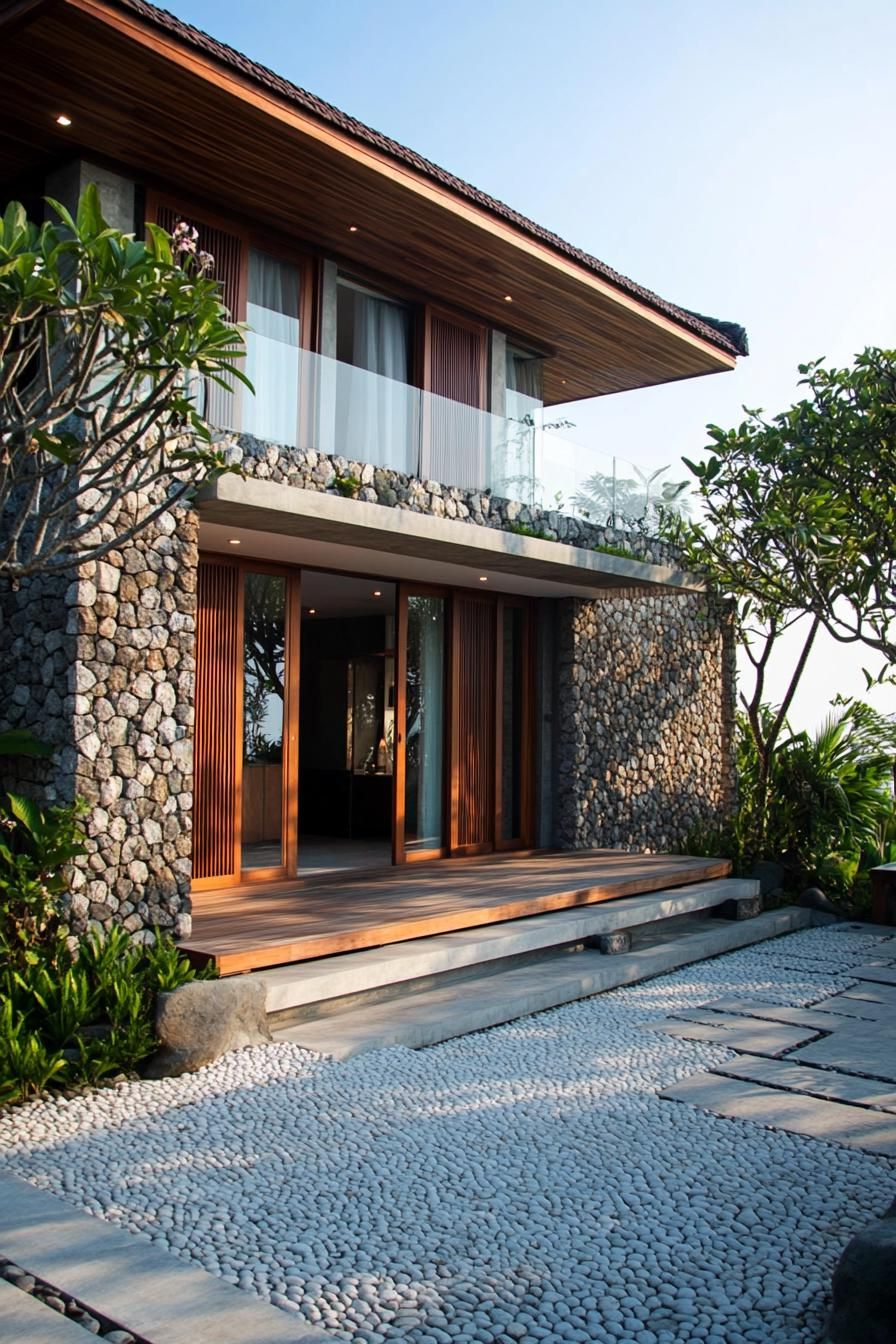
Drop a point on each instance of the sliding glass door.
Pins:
(418, 827)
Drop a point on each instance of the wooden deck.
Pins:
(248, 927)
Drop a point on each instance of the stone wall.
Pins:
(102, 667)
(311, 470)
(644, 719)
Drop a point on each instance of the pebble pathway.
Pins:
(521, 1184)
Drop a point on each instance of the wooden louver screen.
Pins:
(215, 760)
(474, 729)
(457, 436)
(219, 407)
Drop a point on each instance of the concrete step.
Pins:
(488, 997)
(307, 983)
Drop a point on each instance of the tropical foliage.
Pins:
(827, 815)
(72, 1011)
(106, 343)
(798, 515)
(73, 1015)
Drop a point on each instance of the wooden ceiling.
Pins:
(180, 121)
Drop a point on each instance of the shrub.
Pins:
(73, 1014)
(35, 848)
(72, 1011)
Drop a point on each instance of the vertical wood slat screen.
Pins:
(215, 746)
(455, 453)
(474, 729)
(221, 408)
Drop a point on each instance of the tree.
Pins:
(105, 343)
(799, 517)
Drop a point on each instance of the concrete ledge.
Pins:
(317, 516)
(156, 1295)
(430, 1016)
(354, 972)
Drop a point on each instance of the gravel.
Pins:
(519, 1184)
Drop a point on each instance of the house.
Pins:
(383, 643)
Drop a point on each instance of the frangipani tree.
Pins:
(105, 342)
(798, 526)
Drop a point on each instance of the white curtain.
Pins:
(272, 350)
(514, 459)
(377, 410)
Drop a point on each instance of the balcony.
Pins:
(307, 401)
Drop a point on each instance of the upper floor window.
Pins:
(373, 331)
(524, 393)
(273, 309)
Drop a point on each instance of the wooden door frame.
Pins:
(527, 733)
(289, 777)
(405, 589)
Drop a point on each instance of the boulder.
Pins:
(202, 1020)
(813, 898)
(864, 1302)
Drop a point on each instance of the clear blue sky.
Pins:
(738, 159)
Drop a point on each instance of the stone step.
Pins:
(488, 997)
(312, 982)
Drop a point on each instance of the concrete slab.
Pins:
(877, 972)
(857, 1047)
(150, 1292)
(751, 1038)
(25, 1318)
(357, 972)
(883, 996)
(870, 1131)
(437, 1014)
(815, 1019)
(817, 1082)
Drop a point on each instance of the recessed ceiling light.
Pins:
(353, 228)
(483, 578)
(235, 541)
(312, 611)
(63, 120)
(508, 298)
(377, 592)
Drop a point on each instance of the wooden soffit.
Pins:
(158, 108)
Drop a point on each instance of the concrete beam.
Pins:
(244, 502)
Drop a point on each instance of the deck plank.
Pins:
(250, 927)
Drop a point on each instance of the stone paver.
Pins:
(819, 1082)
(752, 1038)
(870, 1131)
(857, 1047)
(155, 1295)
(816, 1018)
(876, 972)
(24, 1318)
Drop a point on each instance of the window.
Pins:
(272, 348)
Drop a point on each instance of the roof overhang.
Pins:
(166, 107)
(398, 543)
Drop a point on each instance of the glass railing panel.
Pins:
(308, 401)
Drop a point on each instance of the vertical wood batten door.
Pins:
(217, 736)
(454, 437)
(473, 726)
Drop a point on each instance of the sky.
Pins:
(736, 159)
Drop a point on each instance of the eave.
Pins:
(143, 97)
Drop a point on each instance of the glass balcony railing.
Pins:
(307, 401)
